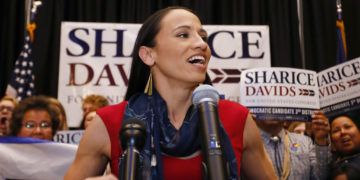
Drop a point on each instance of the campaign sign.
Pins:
(339, 88)
(69, 137)
(279, 93)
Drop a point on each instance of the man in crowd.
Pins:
(296, 156)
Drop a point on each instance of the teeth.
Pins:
(197, 59)
(346, 139)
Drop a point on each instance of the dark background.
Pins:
(280, 15)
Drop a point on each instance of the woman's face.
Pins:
(36, 124)
(87, 107)
(300, 128)
(345, 135)
(181, 53)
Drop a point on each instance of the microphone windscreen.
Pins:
(205, 92)
(134, 129)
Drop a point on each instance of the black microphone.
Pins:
(133, 136)
(206, 98)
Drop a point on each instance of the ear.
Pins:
(145, 53)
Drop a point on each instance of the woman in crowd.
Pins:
(297, 127)
(91, 103)
(170, 60)
(35, 117)
(345, 137)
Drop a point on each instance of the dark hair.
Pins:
(350, 169)
(33, 103)
(62, 113)
(140, 72)
(354, 116)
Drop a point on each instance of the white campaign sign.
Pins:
(292, 94)
(234, 49)
(339, 87)
(96, 58)
(68, 136)
(280, 93)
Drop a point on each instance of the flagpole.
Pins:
(28, 5)
(341, 53)
(301, 32)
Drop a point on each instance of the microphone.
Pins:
(132, 135)
(206, 98)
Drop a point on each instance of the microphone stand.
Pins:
(130, 167)
(132, 135)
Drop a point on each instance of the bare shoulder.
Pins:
(93, 152)
(97, 137)
(252, 137)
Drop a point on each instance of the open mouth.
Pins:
(197, 60)
(345, 140)
(3, 120)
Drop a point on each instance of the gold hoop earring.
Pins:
(148, 88)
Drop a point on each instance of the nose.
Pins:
(342, 131)
(200, 43)
(37, 130)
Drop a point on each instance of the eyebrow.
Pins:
(34, 121)
(189, 27)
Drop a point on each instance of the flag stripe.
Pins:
(341, 27)
(43, 160)
(24, 140)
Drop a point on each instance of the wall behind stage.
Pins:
(280, 15)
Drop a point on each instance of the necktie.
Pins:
(278, 163)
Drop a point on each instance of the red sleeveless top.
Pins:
(233, 117)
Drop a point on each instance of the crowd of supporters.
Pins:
(321, 149)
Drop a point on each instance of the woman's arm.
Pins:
(93, 153)
(255, 163)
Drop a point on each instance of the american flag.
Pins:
(341, 53)
(21, 84)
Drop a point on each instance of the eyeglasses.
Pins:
(7, 108)
(33, 125)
